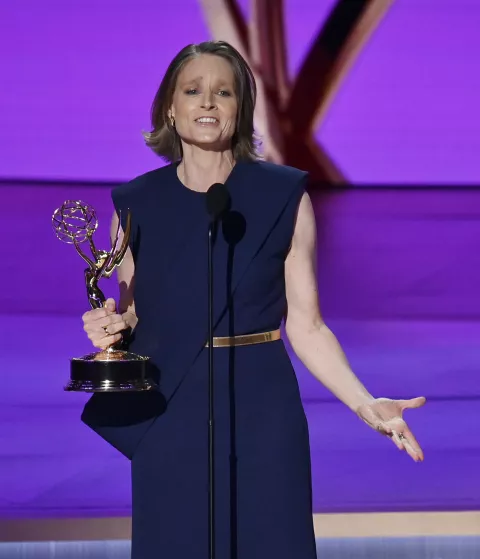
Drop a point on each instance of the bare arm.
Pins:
(311, 339)
(126, 279)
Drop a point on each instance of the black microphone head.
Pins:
(218, 200)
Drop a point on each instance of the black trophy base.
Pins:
(111, 370)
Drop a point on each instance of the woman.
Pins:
(264, 258)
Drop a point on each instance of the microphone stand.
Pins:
(211, 453)
(218, 200)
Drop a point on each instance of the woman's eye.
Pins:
(224, 93)
(191, 91)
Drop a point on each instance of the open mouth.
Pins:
(207, 120)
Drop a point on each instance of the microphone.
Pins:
(218, 200)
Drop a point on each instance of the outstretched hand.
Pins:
(386, 416)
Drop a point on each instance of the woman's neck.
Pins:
(199, 169)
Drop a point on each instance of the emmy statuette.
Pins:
(112, 369)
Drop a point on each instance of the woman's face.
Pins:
(205, 104)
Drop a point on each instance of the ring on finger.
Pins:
(105, 329)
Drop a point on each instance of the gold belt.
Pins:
(245, 339)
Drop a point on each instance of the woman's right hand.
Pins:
(104, 326)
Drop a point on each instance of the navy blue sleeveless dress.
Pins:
(262, 460)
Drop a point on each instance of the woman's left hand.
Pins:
(386, 416)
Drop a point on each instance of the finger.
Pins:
(107, 341)
(98, 337)
(413, 402)
(103, 323)
(94, 314)
(110, 305)
(115, 327)
(114, 318)
(99, 333)
(411, 445)
(397, 440)
(92, 326)
(414, 454)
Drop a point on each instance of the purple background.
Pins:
(80, 76)
(399, 269)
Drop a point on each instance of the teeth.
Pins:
(207, 120)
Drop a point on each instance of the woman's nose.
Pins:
(207, 101)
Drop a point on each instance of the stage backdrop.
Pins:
(399, 269)
(80, 76)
